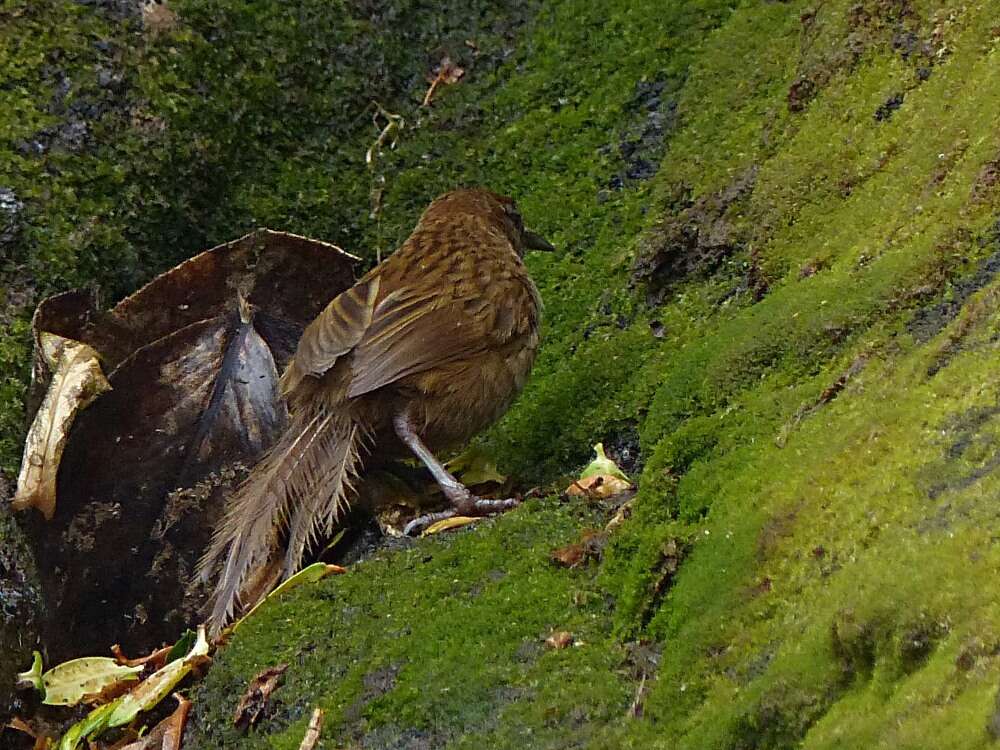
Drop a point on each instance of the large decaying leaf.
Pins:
(192, 361)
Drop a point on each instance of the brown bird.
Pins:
(426, 350)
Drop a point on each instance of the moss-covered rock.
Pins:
(777, 281)
(21, 606)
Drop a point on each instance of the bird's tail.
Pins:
(294, 494)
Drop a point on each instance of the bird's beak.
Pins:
(534, 241)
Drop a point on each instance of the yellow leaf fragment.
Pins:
(447, 524)
(598, 486)
(621, 516)
(309, 574)
(77, 380)
(474, 466)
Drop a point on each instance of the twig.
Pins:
(312, 732)
(394, 123)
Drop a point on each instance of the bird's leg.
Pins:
(463, 502)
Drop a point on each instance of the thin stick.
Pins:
(312, 733)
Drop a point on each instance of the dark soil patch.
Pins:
(694, 237)
(653, 116)
(929, 321)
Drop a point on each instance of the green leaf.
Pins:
(602, 465)
(143, 697)
(184, 644)
(33, 677)
(94, 723)
(157, 686)
(474, 466)
(67, 683)
(309, 574)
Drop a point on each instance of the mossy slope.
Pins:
(816, 414)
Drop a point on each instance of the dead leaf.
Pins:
(569, 556)
(166, 735)
(598, 486)
(253, 705)
(447, 73)
(447, 524)
(155, 660)
(42, 740)
(76, 381)
(158, 18)
(590, 547)
(623, 513)
(637, 708)
(143, 697)
(559, 640)
(312, 731)
(193, 360)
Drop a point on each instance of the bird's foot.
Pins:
(463, 504)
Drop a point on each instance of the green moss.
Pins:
(814, 401)
(453, 655)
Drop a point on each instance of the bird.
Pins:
(423, 352)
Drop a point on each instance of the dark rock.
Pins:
(21, 604)
(800, 93)
(888, 107)
(11, 212)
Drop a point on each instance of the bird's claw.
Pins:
(422, 522)
(465, 506)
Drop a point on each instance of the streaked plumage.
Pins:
(441, 336)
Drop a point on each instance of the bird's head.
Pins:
(496, 209)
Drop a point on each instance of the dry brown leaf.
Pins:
(158, 17)
(312, 731)
(598, 486)
(569, 556)
(621, 516)
(590, 547)
(76, 381)
(166, 735)
(559, 640)
(107, 694)
(42, 740)
(450, 73)
(155, 660)
(447, 73)
(253, 705)
(447, 524)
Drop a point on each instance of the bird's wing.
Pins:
(414, 330)
(333, 333)
(411, 330)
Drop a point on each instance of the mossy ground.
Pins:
(838, 530)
